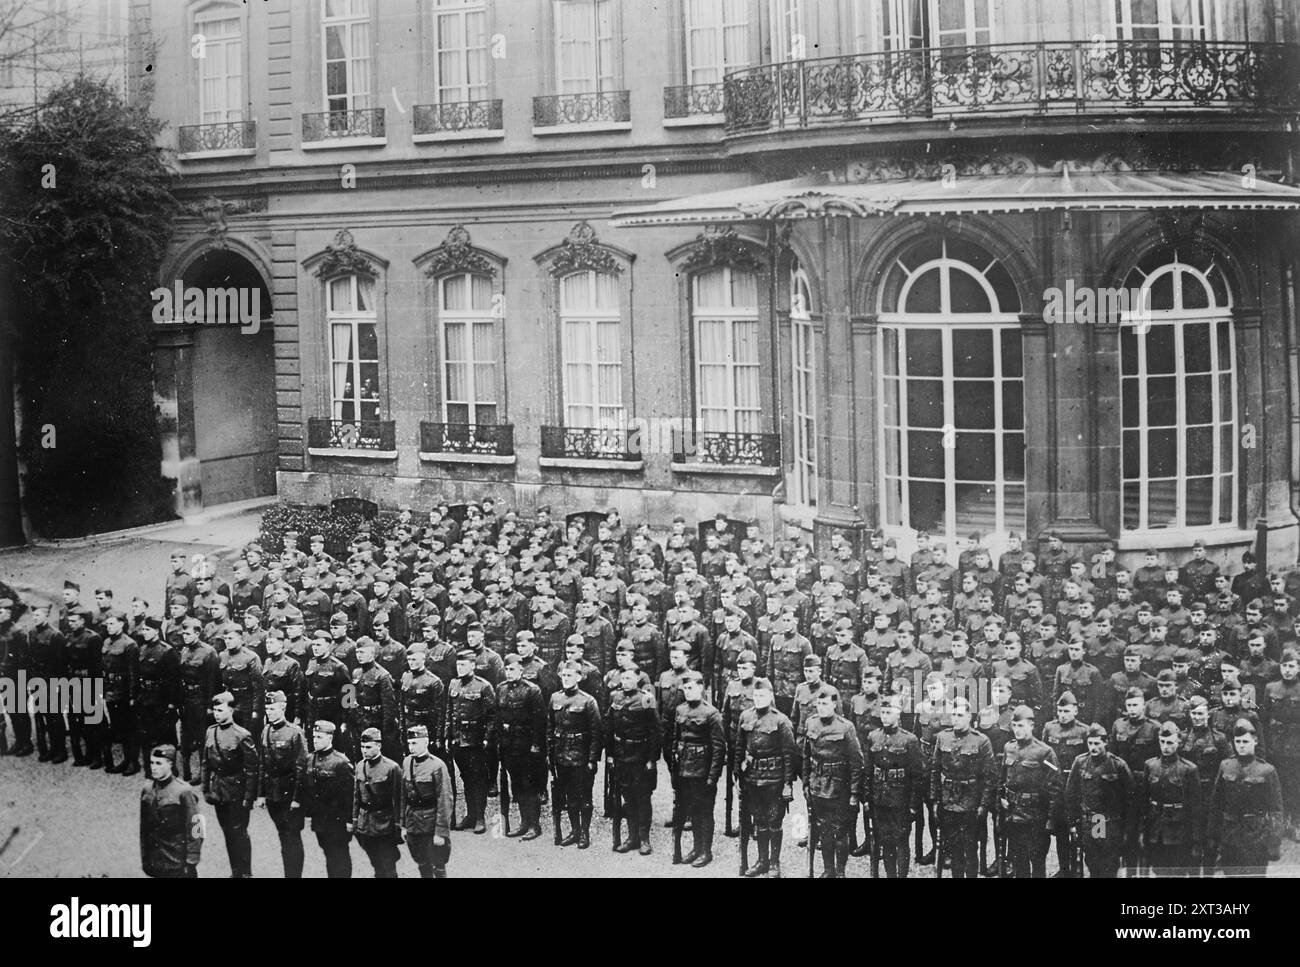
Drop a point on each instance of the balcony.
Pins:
(467, 443)
(577, 113)
(358, 439)
(693, 104)
(710, 452)
(1045, 79)
(591, 448)
(458, 121)
(231, 139)
(338, 129)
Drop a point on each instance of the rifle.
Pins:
(557, 802)
(813, 831)
(613, 802)
(728, 830)
(1000, 837)
(505, 797)
(873, 837)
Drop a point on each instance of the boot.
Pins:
(584, 838)
(764, 863)
(694, 854)
(841, 856)
(646, 849)
(774, 854)
(828, 858)
(705, 824)
(109, 765)
(677, 845)
(575, 829)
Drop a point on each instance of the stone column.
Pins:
(174, 396)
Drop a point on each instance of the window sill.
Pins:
(574, 463)
(352, 454)
(223, 153)
(333, 143)
(486, 459)
(1182, 538)
(470, 134)
(586, 127)
(725, 469)
(696, 121)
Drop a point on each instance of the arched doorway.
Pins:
(233, 379)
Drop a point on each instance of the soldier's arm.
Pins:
(1072, 791)
(356, 794)
(193, 827)
(252, 768)
(388, 701)
(857, 763)
(203, 764)
(718, 740)
(597, 732)
(493, 725)
(991, 774)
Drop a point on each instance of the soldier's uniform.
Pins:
(832, 770)
(765, 758)
(1068, 742)
(283, 674)
(120, 658)
(240, 673)
(598, 641)
(284, 757)
(574, 733)
(230, 774)
(1086, 682)
(427, 812)
(633, 741)
(962, 781)
(648, 648)
(696, 749)
(424, 702)
(893, 788)
(726, 653)
(376, 810)
(551, 631)
(47, 661)
(1169, 812)
(84, 668)
(326, 796)
(1245, 816)
(160, 695)
(1098, 798)
(374, 706)
(471, 732)
(522, 712)
(1030, 782)
(199, 666)
(1281, 717)
(171, 838)
(845, 668)
(322, 694)
(737, 699)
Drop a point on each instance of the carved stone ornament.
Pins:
(582, 250)
(214, 212)
(457, 254)
(813, 204)
(1181, 226)
(721, 246)
(342, 257)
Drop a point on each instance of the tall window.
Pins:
(592, 360)
(803, 353)
(469, 349)
(952, 391)
(725, 307)
(717, 39)
(347, 54)
(1166, 19)
(789, 36)
(1178, 396)
(903, 24)
(961, 23)
(221, 70)
(585, 46)
(354, 348)
(460, 29)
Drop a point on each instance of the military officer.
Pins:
(1246, 810)
(1169, 808)
(284, 757)
(280, 673)
(1204, 747)
(374, 699)
(736, 700)
(423, 697)
(47, 661)
(845, 663)
(522, 712)
(171, 829)
(697, 749)
(199, 668)
(787, 651)
(427, 806)
(1027, 793)
(832, 770)
(632, 744)
(376, 805)
(574, 745)
(323, 687)
(86, 728)
(326, 796)
(121, 666)
(1098, 799)
(1280, 712)
(230, 774)
(893, 781)
(765, 758)
(962, 783)
(240, 674)
(1068, 738)
(160, 688)
(471, 734)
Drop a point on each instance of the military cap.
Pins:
(1290, 654)
(747, 657)
(191, 624)
(690, 676)
(844, 624)
(108, 592)
(812, 661)
(905, 626)
(1198, 606)
(379, 617)
(763, 683)
(365, 641)
(179, 599)
(1182, 656)
(325, 726)
(1159, 622)
(339, 620)
(218, 601)
(465, 654)
(961, 703)
(544, 509)
(6, 603)
(293, 616)
(1133, 651)
(71, 585)
(1229, 687)
(1198, 543)
(1243, 727)
(1096, 731)
(316, 539)
(891, 543)
(1198, 701)
(1067, 698)
(320, 634)
(164, 751)
(1166, 676)
(1022, 713)
(430, 621)
(576, 639)
(1170, 728)
(222, 698)
(151, 622)
(276, 697)
(679, 645)
(525, 635)
(871, 671)
(513, 659)
(177, 555)
(624, 644)
(1047, 619)
(1134, 692)
(371, 735)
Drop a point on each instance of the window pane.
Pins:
(925, 455)
(889, 402)
(973, 405)
(1200, 399)
(484, 342)
(1132, 505)
(966, 294)
(976, 506)
(1200, 501)
(892, 452)
(575, 292)
(1129, 401)
(924, 294)
(1160, 350)
(1162, 402)
(368, 347)
(340, 295)
(1014, 509)
(1195, 295)
(1132, 454)
(711, 290)
(1200, 450)
(1225, 397)
(457, 412)
(1226, 514)
(455, 293)
(924, 352)
(889, 352)
(606, 291)
(1012, 353)
(972, 352)
(976, 457)
(925, 402)
(1013, 456)
(1162, 453)
(1163, 500)
(1196, 347)
(1162, 292)
(893, 501)
(925, 505)
(1128, 352)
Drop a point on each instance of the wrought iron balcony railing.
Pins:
(728, 449)
(1078, 77)
(455, 116)
(589, 443)
(693, 100)
(327, 434)
(604, 107)
(329, 125)
(226, 136)
(497, 440)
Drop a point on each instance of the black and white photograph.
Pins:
(651, 439)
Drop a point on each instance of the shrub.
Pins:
(336, 527)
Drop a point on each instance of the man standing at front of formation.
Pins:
(832, 769)
(1028, 788)
(962, 779)
(765, 760)
(1281, 714)
(522, 715)
(893, 780)
(230, 773)
(632, 746)
(376, 805)
(426, 806)
(1098, 797)
(575, 733)
(1169, 808)
(471, 731)
(325, 792)
(699, 749)
(284, 757)
(171, 828)
(1246, 812)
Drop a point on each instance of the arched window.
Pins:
(724, 306)
(469, 349)
(803, 356)
(951, 391)
(590, 350)
(354, 348)
(1178, 389)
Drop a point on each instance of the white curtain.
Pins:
(343, 354)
